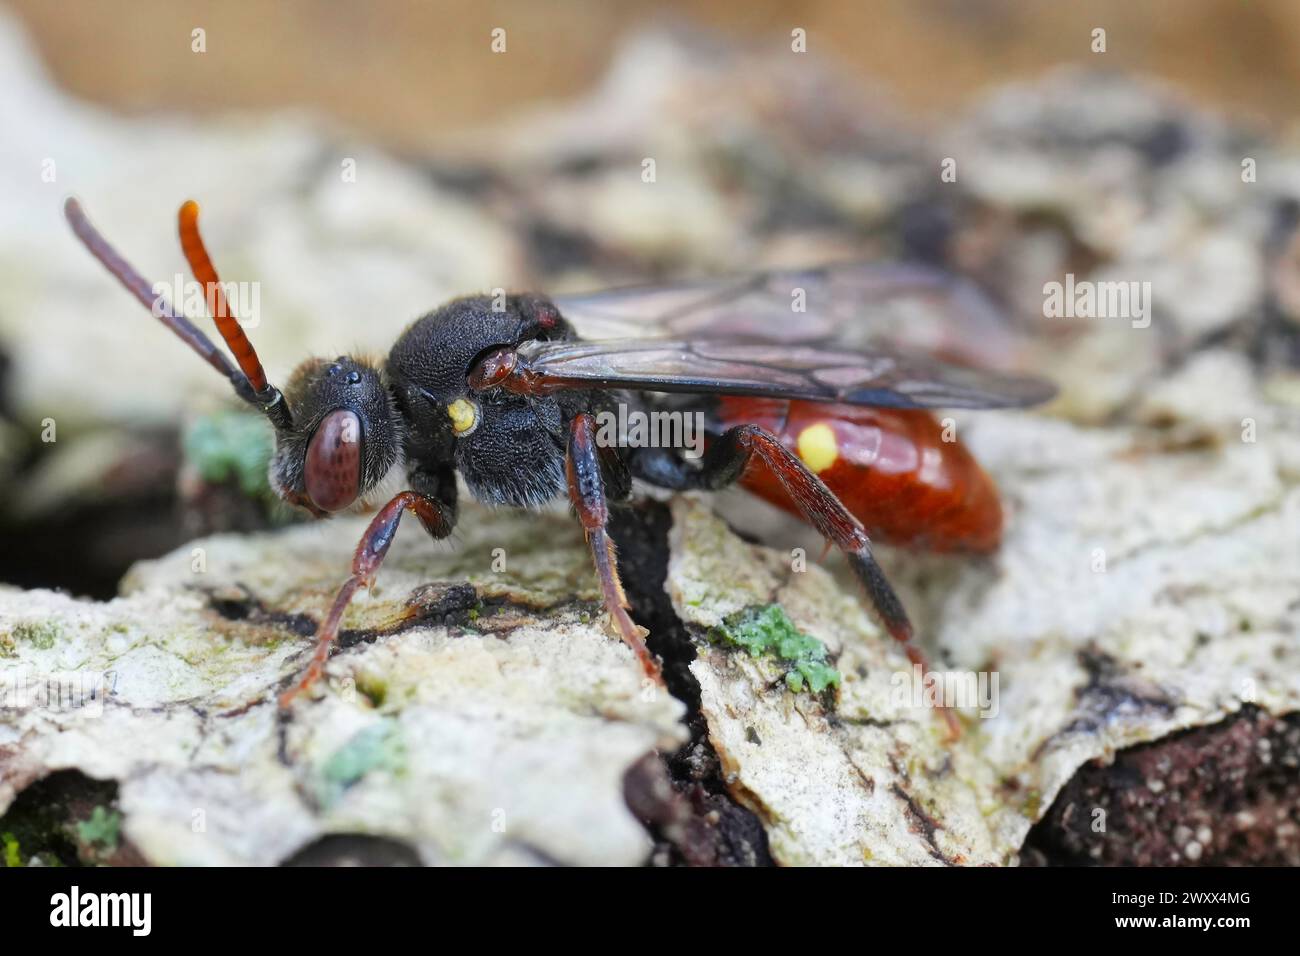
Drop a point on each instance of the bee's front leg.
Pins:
(587, 493)
(437, 517)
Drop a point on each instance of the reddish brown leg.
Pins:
(587, 492)
(724, 463)
(365, 563)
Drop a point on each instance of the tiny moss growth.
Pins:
(231, 445)
(103, 829)
(769, 630)
(40, 636)
(13, 854)
(1033, 804)
(373, 689)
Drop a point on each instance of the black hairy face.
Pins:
(509, 448)
(319, 388)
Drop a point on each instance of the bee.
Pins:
(804, 402)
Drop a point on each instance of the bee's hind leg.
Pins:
(724, 463)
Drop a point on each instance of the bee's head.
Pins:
(344, 437)
(336, 426)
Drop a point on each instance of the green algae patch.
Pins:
(103, 830)
(12, 851)
(377, 747)
(373, 688)
(768, 631)
(40, 636)
(231, 446)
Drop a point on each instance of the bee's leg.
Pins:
(725, 461)
(587, 493)
(437, 519)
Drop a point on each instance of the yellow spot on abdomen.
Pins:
(817, 447)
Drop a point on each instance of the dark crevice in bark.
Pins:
(1227, 794)
(680, 797)
(66, 819)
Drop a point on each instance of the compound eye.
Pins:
(333, 466)
(492, 369)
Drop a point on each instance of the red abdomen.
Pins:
(890, 467)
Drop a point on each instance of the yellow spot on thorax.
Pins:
(817, 447)
(464, 416)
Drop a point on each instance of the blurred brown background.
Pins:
(410, 71)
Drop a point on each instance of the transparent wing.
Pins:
(850, 306)
(874, 376)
